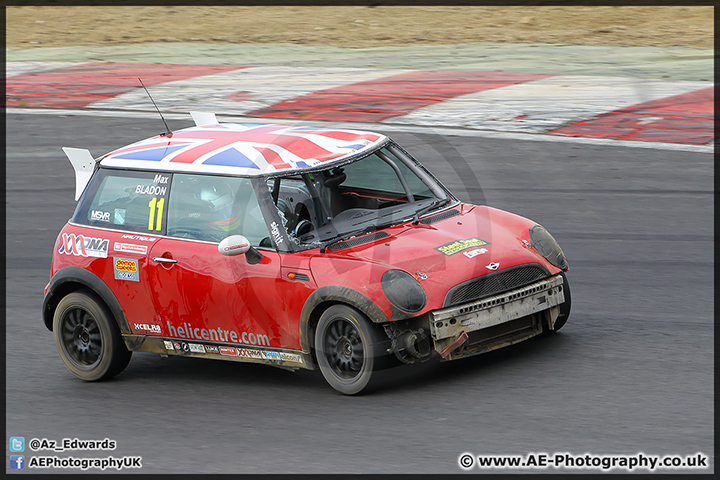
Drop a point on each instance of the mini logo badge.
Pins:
(421, 275)
(493, 266)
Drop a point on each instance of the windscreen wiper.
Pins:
(427, 208)
(362, 231)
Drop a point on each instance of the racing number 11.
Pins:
(158, 205)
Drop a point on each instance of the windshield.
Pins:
(384, 188)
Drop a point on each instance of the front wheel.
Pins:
(564, 307)
(346, 344)
(87, 338)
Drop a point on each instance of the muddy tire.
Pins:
(87, 338)
(347, 348)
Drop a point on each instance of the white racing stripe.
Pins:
(543, 105)
(252, 88)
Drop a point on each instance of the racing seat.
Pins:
(338, 201)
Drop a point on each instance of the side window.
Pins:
(210, 208)
(134, 201)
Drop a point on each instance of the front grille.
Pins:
(494, 283)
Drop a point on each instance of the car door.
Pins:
(203, 295)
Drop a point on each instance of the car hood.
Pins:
(441, 254)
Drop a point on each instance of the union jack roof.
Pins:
(245, 150)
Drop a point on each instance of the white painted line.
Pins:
(442, 130)
(542, 105)
(253, 88)
(13, 69)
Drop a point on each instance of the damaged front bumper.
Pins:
(497, 321)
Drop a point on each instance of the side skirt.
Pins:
(276, 357)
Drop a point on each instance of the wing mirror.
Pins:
(238, 244)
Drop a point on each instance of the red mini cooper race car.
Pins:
(293, 246)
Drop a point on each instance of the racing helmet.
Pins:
(218, 198)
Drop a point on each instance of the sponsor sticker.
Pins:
(168, 345)
(475, 252)
(126, 269)
(459, 245)
(177, 346)
(238, 246)
(267, 355)
(99, 216)
(275, 231)
(144, 327)
(197, 348)
(119, 216)
(130, 248)
(228, 351)
(249, 353)
(290, 357)
(82, 246)
(139, 238)
(211, 349)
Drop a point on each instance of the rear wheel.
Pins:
(87, 338)
(345, 344)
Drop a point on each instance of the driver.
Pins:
(218, 198)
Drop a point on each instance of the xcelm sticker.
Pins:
(459, 245)
(126, 269)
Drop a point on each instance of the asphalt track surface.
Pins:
(631, 372)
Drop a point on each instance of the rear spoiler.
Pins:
(83, 163)
(203, 118)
